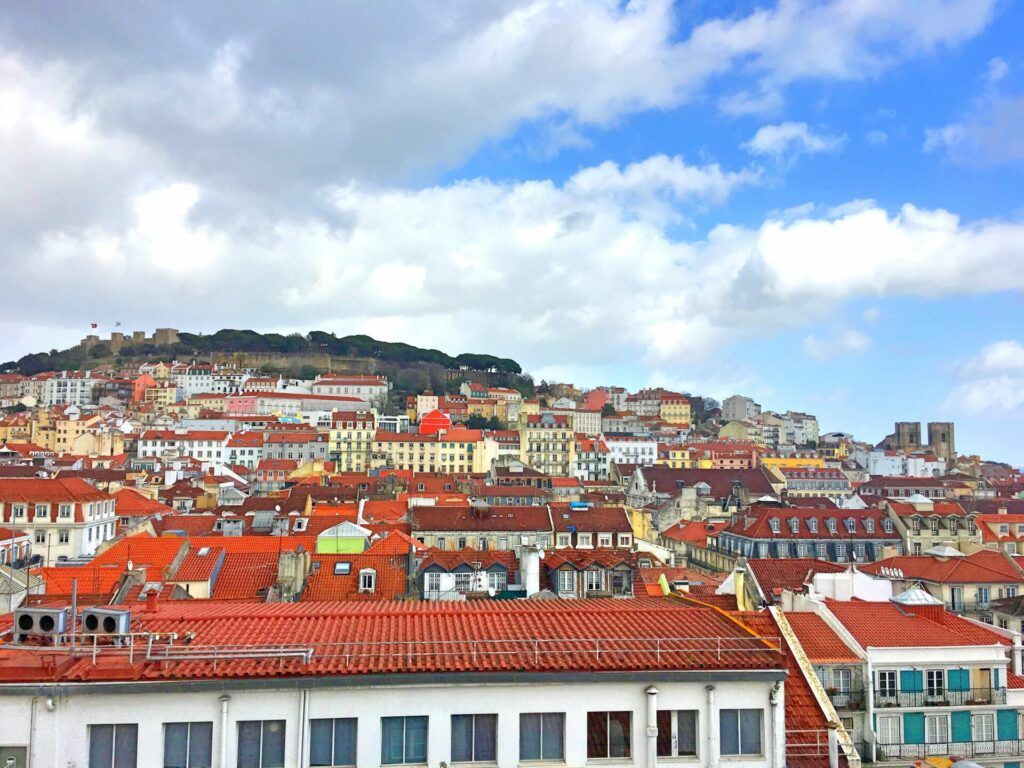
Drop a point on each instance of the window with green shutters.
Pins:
(960, 722)
(911, 680)
(913, 728)
(958, 679)
(1006, 724)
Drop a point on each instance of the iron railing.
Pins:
(960, 606)
(806, 743)
(958, 749)
(852, 699)
(940, 698)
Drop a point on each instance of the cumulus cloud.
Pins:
(846, 343)
(943, 138)
(877, 138)
(791, 139)
(993, 381)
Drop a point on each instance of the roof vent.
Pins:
(203, 552)
(342, 569)
(40, 622)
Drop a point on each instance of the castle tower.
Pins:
(908, 435)
(942, 440)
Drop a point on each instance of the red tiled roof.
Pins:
(325, 584)
(884, 625)
(471, 519)
(820, 643)
(394, 543)
(199, 564)
(937, 508)
(246, 575)
(351, 638)
(986, 566)
(775, 574)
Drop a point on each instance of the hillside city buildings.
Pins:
(205, 565)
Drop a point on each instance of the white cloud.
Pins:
(943, 138)
(993, 396)
(877, 138)
(791, 139)
(993, 381)
(997, 70)
(871, 314)
(848, 342)
(999, 357)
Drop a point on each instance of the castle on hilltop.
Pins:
(162, 337)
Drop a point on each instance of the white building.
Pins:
(290, 684)
(70, 387)
(66, 518)
(631, 449)
(208, 445)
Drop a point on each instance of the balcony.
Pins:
(850, 700)
(969, 697)
(957, 749)
(959, 606)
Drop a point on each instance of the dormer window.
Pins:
(794, 525)
(812, 524)
(887, 525)
(869, 525)
(367, 580)
(851, 525)
(773, 523)
(935, 526)
(831, 523)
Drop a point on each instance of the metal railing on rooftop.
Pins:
(165, 647)
(807, 742)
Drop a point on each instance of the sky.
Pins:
(817, 204)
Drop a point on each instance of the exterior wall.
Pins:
(60, 737)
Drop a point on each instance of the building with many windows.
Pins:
(617, 683)
(66, 518)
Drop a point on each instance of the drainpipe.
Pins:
(303, 714)
(224, 730)
(712, 728)
(869, 709)
(778, 719)
(652, 726)
(1017, 650)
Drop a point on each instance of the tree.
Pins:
(608, 410)
(308, 372)
(479, 422)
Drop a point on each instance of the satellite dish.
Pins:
(491, 591)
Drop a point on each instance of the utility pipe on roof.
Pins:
(652, 726)
(712, 727)
(224, 730)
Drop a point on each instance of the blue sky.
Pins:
(816, 203)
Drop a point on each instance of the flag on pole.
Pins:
(117, 324)
(95, 325)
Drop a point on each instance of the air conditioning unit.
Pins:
(40, 622)
(106, 621)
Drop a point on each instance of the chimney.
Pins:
(151, 601)
(529, 565)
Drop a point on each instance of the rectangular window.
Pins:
(188, 745)
(740, 731)
(936, 682)
(403, 740)
(332, 741)
(889, 729)
(887, 683)
(842, 679)
(562, 540)
(936, 729)
(463, 582)
(542, 736)
(595, 581)
(474, 738)
(567, 580)
(983, 727)
(261, 744)
(113, 746)
(677, 733)
(433, 582)
(584, 539)
(609, 734)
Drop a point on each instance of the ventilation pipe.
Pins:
(224, 730)
(712, 727)
(652, 726)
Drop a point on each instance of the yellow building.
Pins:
(799, 459)
(530, 407)
(487, 408)
(162, 396)
(207, 401)
(743, 431)
(547, 443)
(84, 436)
(16, 429)
(457, 451)
(675, 410)
(351, 440)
